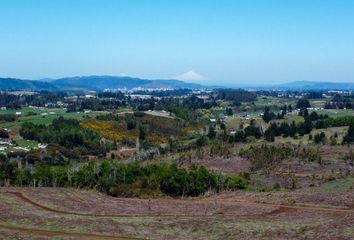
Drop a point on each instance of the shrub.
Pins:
(4, 133)
(264, 156)
(139, 114)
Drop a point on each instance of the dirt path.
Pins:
(123, 113)
(304, 175)
(50, 233)
(295, 207)
(49, 209)
(220, 202)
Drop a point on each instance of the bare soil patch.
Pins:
(41, 213)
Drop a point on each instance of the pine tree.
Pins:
(349, 137)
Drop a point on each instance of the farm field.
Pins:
(336, 112)
(43, 115)
(273, 101)
(42, 213)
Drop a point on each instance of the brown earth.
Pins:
(42, 213)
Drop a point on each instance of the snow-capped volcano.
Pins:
(191, 76)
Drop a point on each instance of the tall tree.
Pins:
(349, 137)
(303, 103)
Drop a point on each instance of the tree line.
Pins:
(118, 179)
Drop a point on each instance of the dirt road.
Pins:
(223, 201)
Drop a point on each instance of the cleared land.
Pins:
(42, 213)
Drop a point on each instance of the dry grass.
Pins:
(227, 216)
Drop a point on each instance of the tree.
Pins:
(7, 170)
(239, 136)
(131, 124)
(252, 130)
(142, 132)
(4, 133)
(349, 137)
(285, 129)
(42, 175)
(212, 133)
(313, 116)
(303, 103)
(304, 112)
(229, 112)
(236, 95)
(284, 110)
(268, 115)
(67, 134)
(293, 129)
(319, 137)
(269, 135)
(23, 177)
(290, 108)
(305, 127)
(202, 141)
(320, 124)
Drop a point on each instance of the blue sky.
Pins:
(231, 42)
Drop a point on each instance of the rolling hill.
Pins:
(100, 83)
(104, 82)
(97, 83)
(16, 84)
(311, 85)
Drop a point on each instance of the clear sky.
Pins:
(230, 42)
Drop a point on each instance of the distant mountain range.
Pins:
(309, 85)
(100, 83)
(96, 83)
(17, 84)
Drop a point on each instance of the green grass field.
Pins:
(272, 101)
(336, 112)
(235, 121)
(341, 131)
(48, 116)
(346, 184)
(318, 103)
